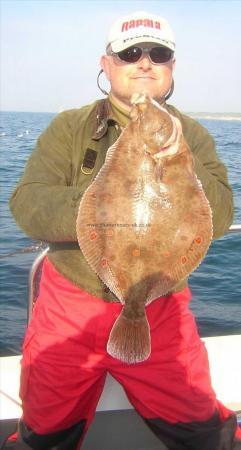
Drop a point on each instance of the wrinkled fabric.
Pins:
(65, 362)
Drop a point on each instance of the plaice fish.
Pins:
(144, 223)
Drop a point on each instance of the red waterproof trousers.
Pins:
(65, 363)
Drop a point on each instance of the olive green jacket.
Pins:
(46, 200)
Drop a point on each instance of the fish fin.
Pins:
(88, 233)
(182, 264)
(129, 339)
(201, 242)
(192, 257)
(94, 255)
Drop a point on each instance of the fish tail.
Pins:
(129, 339)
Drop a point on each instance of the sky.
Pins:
(50, 52)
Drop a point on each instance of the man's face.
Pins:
(142, 76)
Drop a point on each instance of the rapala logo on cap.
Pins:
(140, 22)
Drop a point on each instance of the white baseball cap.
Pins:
(140, 27)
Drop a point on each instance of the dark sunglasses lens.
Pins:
(160, 54)
(130, 55)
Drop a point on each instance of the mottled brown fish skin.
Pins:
(144, 224)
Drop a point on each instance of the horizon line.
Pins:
(62, 110)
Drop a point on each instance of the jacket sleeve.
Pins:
(213, 176)
(44, 204)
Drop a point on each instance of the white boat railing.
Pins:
(236, 228)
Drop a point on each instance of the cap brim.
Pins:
(118, 46)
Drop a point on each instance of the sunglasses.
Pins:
(157, 55)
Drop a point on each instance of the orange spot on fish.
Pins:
(198, 240)
(166, 254)
(93, 235)
(104, 262)
(136, 252)
(183, 259)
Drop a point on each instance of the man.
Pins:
(64, 358)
